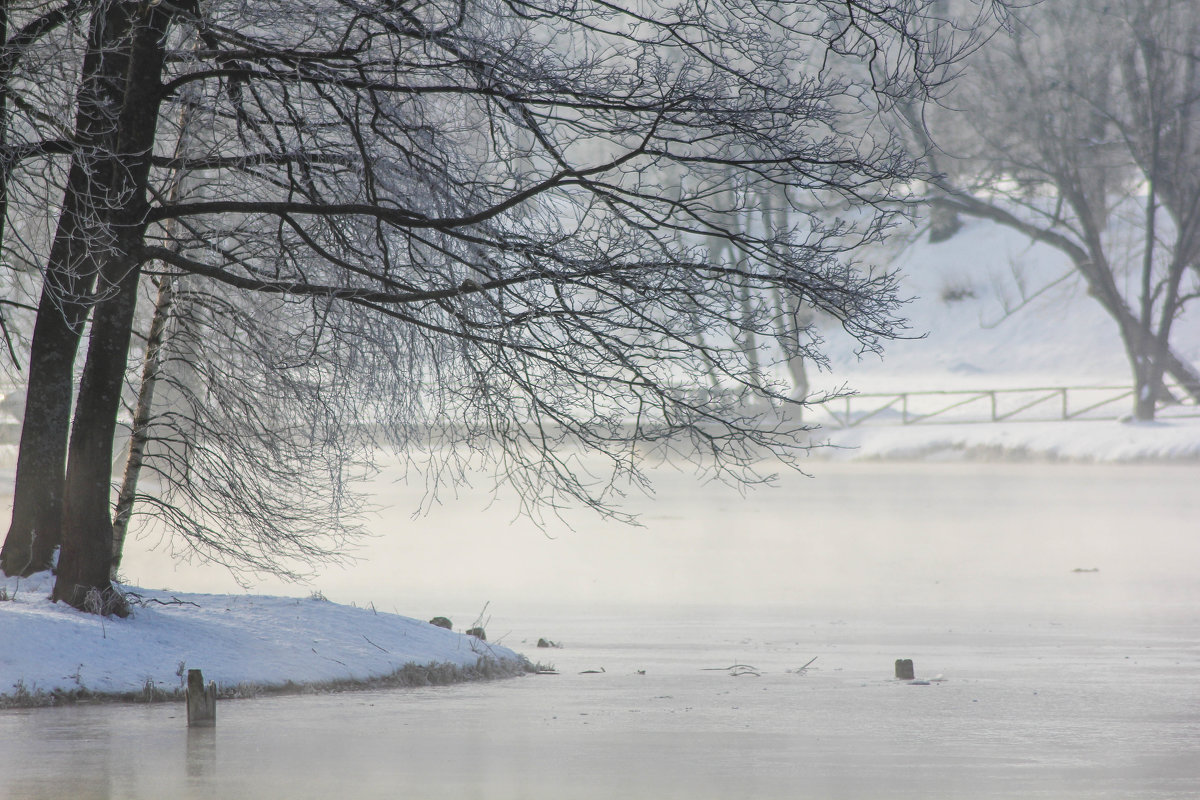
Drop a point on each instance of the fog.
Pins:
(958, 535)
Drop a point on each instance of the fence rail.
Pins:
(1039, 404)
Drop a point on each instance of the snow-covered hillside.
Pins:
(991, 310)
(995, 310)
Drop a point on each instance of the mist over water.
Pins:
(877, 536)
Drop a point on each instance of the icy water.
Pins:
(1044, 681)
(1024, 710)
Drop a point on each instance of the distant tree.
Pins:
(1081, 125)
(765, 210)
(434, 227)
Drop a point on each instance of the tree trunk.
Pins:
(1151, 358)
(70, 273)
(141, 420)
(151, 365)
(37, 494)
(1147, 360)
(791, 317)
(6, 166)
(943, 223)
(1145, 390)
(87, 531)
(748, 341)
(83, 568)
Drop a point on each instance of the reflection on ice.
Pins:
(201, 752)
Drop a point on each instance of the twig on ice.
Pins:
(804, 669)
(736, 670)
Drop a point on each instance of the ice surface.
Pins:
(1029, 708)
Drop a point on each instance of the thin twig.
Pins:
(736, 670)
(372, 643)
(145, 601)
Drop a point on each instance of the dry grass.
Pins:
(406, 677)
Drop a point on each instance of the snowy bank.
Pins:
(1099, 442)
(245, 643)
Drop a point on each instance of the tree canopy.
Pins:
(468, 229)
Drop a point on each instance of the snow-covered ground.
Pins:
(244, 643)
(1099, 442)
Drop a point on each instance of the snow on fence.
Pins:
(1040, 404)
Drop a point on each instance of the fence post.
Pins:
(201, 701)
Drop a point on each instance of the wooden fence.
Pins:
(1039, 404)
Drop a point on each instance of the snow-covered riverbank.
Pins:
(1093, 442)
(245, 643)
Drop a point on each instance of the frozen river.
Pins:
(1026, 710)
(1054, 682)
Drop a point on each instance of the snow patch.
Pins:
(235, 639)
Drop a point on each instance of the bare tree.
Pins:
(436, 225)
(1081, 126)
(764, 210)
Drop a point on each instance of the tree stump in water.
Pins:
(904, 669)
(201, 701)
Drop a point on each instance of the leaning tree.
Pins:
(1080, 127)
(438, 227)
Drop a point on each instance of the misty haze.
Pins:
(658, 399)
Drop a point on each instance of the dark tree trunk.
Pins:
(87, 532)
(70, 273)
(1147, 378)
(37, 495)
(1151, 357)
(943, 223)
(83, 568)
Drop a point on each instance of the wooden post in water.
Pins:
(904, 669)
(201, 701)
